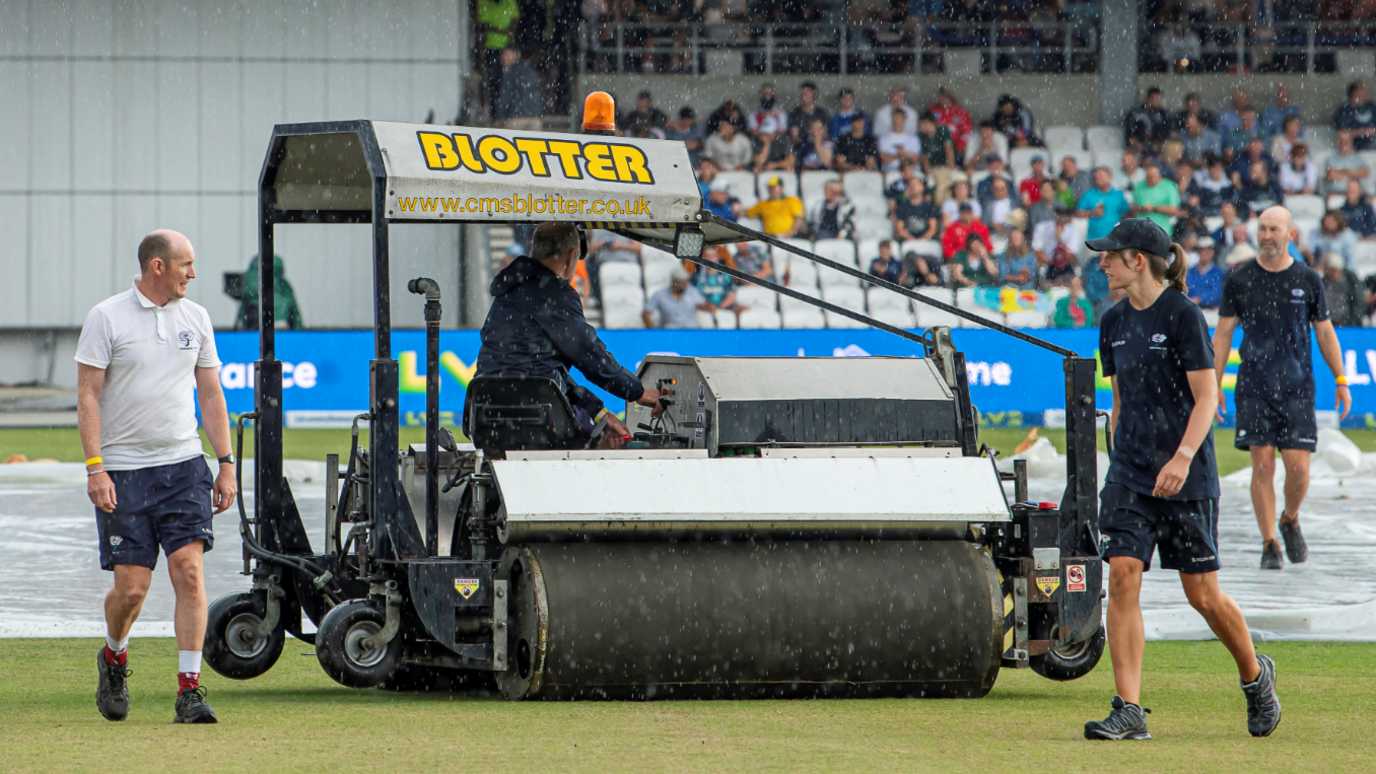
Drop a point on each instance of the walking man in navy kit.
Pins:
(143, 358)
(1277, 300)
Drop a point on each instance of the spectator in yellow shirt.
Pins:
(782, 215)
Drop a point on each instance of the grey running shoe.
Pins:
(1263, 706)
(112, 692)
(1126, 721)
(1270, 556)
(1296, 550)
(191, 707)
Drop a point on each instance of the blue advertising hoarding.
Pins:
(1012, 383)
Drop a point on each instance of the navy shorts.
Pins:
(1284, 424)
(168, 505)
(1184, 531)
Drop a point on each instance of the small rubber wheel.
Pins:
(232, 645)
(1073, 661)
(342, 648)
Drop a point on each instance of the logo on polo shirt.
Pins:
(188, 339)
(1158, 338)
(116, 540)
(1297, 293)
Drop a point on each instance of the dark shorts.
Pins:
(168, 505)
(1184, 531)
(1284, 424)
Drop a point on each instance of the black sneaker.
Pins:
(112, 693)
(1296, 550)
(1263, 706)
(191, 707)
(1126, 721)
(1270, 556)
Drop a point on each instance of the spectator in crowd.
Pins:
(1247, 131)
(815, 150)
(1210, 188)
(921, 271)
(782, 216)
(1194, 106)
(497, 23)
(1231, 118)
(1018, 264)
(834, 216)
(1045, 208)
(1343, 292)
(974, 266)
(1242, 162)
(521, 102)
(956, 119)
(1204, 280)
(884, 116)
(1240, 253)
(767, 110)
(1146, 126)
(720, 202)
(801, 117)
(938, 154)
(1015, 122)
(856, 150)
(914, 216)
(646, 112)
(707, 173)
(1361, 218)
(1055, 241)
(1288, 137)
(1223, 235)
(727, 148)
(898, 144)
(886, 266)
(1076, 180)
(1103, 205)
(1259, 190)
(1330, 237)
(514, 251)
(1129, 174)
(773, 148)
(606, 247)
(675, 306)
(728, 110)
(753, 259)
(1097, 291)
(960, 196)
(1343, 164)
(1030, 189)
(980, 148)
(1198, 140)
(717, 289)
(687, 131)
(984, 189)
(1074, 310)
(1157, 199)
(1357, 116)
(998, 208)
(841, 122)
(1301, 174)
(957, 235)
(1275, 116)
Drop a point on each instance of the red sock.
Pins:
(187, 681)
(112, 657)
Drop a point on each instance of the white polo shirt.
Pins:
(150, 355)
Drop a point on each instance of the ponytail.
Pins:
(1175, 272)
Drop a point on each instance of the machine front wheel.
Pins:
(1071, 662)
(232, 645)
(342, 648)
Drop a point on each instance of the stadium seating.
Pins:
(1105, 139)
(1083, 158)
(845, 296)
(789, 179)
(1027, 319)
(878, 225)
(803, 317)
(756, 297)
(900, 318)
(831, 278)
(839, 250)
(834, 320)
(623, 315)
(1364, 259)
(706, 320)
(877, 299)
(1306, 207)
(1065, 138)
(619, 273)
(1020, 161)
(726, 319)
(759, 319)
(742, 185)
(929, 248)
(813, 186)
(864, 187)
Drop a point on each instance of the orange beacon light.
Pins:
(599, 112)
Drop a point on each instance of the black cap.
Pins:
(1137, 234)
(645, 94)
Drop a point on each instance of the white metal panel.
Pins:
(93, 228)
(136, 114)
(93, 28)
(136, 27)
(389, 93)
(264, 31)
(50, 114)
(180, 212)
(50, 27)
(223, 166)
(14, 27)
(434, 26)
(262, 110)
(135, 216)
(869, 490)
(221, 27)
(219, 248)
(14, 126)
(304, 85)
(435, 87)
(304, 23)
(50, 262)
(14, 256)
(348, 92)
(93, 115)
(178, 33)
(178, 126)
(381, 31)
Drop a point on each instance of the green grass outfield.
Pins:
(296, 719)
(63, 444)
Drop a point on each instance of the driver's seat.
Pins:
(520, 413)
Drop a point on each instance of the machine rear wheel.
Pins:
(1070, 662)
(232, 647)
(344, 654)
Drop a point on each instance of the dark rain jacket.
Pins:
(536, 328)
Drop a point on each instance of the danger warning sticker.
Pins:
(1075, 577)
(1048, 583)
(466, 587)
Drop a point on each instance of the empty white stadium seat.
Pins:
(834, 320)
(789, 180)
(839, 250)
(790, 304)
(812, 185)
(1113, 159)
(619, 273)
(892, 177)
(866, 250)
(753, 223)
(1058, 292)
(622, 317)
(1104, 138)
(1001, 144)
(830, 278)
(1021, 162)
(862, 184)
(759, 318)
(965, 298)
(657, 275)
(929, 248)
(877, 298)
(756, 297)
(1027, 319)
(986, 313)
(1364, 259)
(623, 295)
(878, 226)
(929, 316)
(705, 319)
(1334, 202)
(742, 185)
(726, 320)
(900, 318)
(1306, 228)
(870, 207)
(1064, 138)
(1306, 207)
(804, 317)
(845, 296)
(998, 243)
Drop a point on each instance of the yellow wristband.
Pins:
(601, 414)
(1342, 380)
(94, 461)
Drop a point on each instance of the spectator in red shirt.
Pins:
(955, 118)
(1030, 189)
(958, 233)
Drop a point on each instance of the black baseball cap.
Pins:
(1137, 234)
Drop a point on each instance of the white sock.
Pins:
(189, 661)
(116, 646)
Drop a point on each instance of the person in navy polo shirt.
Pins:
(1162, 486)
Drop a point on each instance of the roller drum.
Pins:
(752, 620)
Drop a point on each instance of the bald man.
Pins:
(1277, 300)
(144, 358)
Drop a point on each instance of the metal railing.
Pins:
(620, 47)
(1297, 47)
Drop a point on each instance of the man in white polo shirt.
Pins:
(144, 357)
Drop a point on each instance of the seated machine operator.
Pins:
(535, 327)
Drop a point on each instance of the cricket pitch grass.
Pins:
(295, 719)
